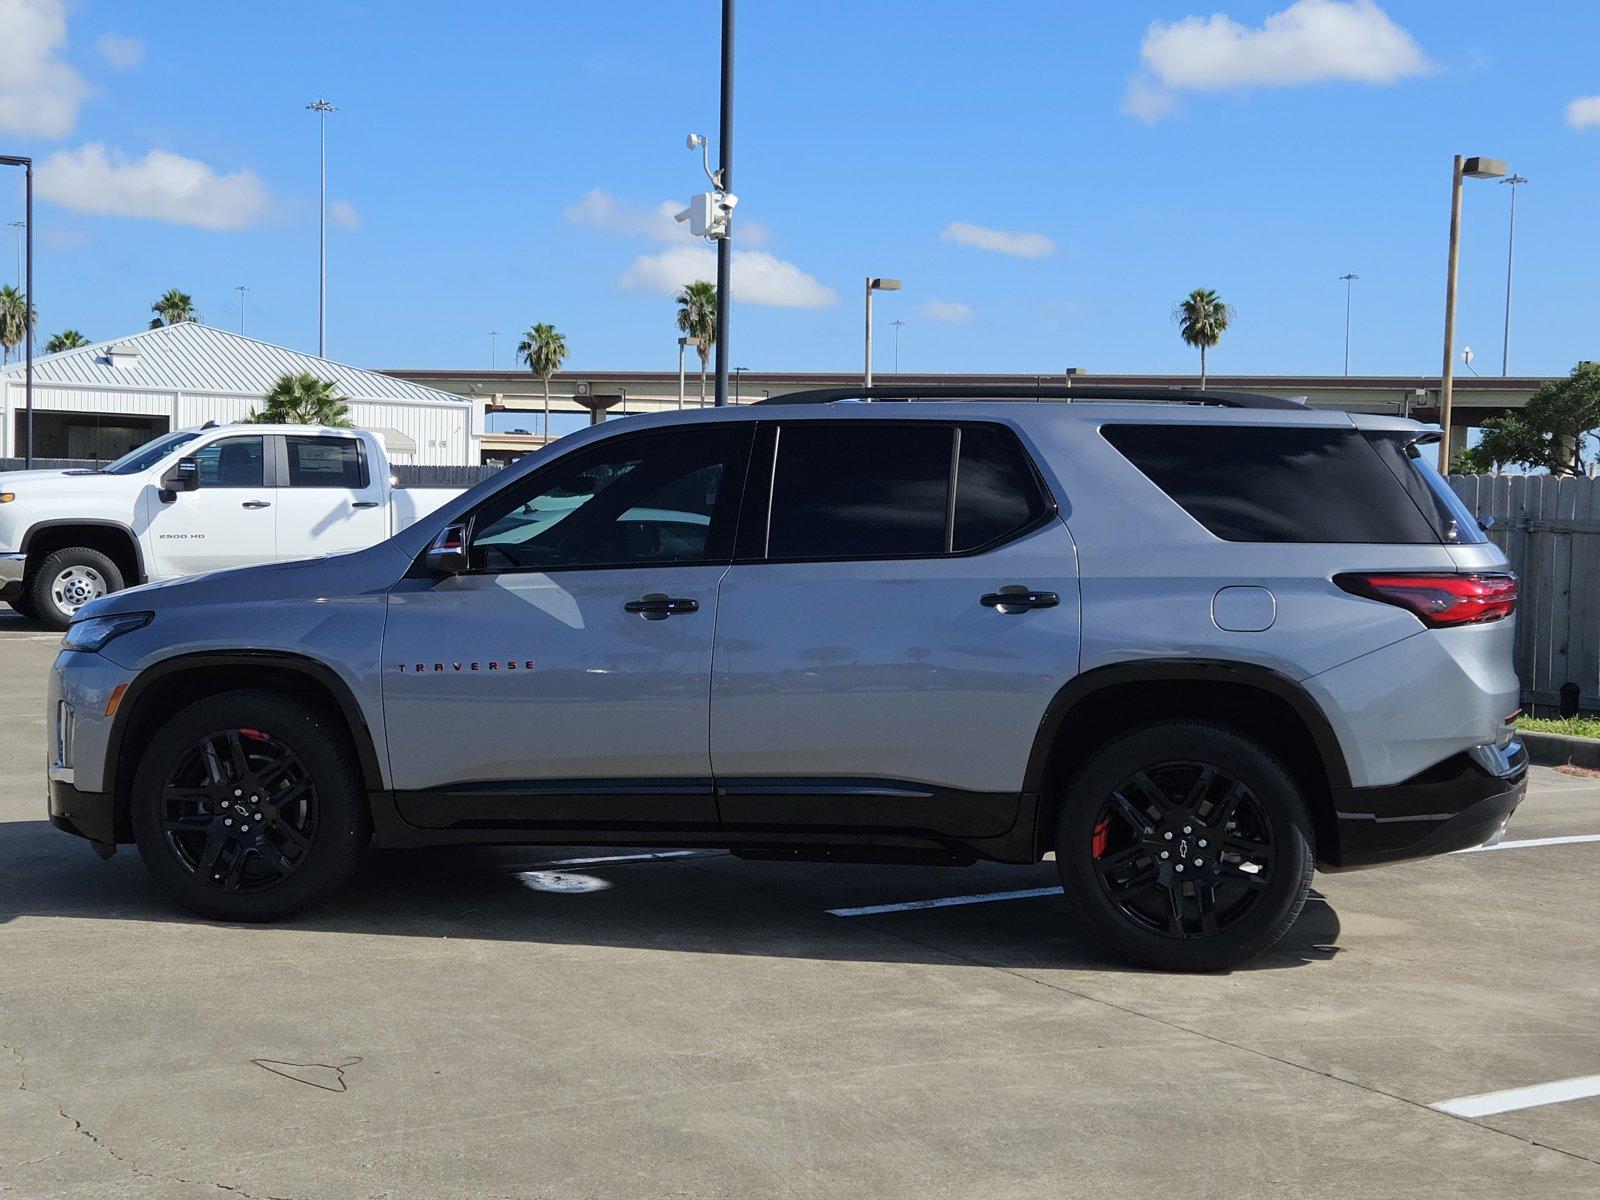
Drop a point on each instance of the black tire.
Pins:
(22, 604)
(1254, 875)
(276, 875)
(52, 604)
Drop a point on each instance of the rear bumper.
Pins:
(90, 815)
(1461, 802)
(12, 567)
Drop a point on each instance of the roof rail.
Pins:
(1038, 392)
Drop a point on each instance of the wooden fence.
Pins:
(1550, 530)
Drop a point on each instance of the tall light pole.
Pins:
(493, 333)
(14, 160)
(725, 184)
(875, 284)
(738, 374)
(1511, 244)
(241, 289)
(322, 108)
(1460, 168)
(1348, 281)
(19, 226)
(897, 323)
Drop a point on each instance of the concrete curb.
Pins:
(1557, 749)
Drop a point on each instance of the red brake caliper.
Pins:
(1102, 835)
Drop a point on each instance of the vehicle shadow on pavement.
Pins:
(714, 904)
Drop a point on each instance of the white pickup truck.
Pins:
(196, 500)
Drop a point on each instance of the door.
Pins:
(329, 496)
(871, 673)
(225, 521)
(564, 679)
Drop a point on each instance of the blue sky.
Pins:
(501, 164)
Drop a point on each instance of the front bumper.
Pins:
(1458, 803)
(12, 567)
(90, 815)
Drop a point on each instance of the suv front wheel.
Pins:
(248, 806)
(1186, 846)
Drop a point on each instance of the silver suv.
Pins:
(1193, 648)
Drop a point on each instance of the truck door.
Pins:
(226, 521)
(330, 495)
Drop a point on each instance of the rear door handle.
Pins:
(1014, 598)
(658, 606)
(256, 504)
(364, 504)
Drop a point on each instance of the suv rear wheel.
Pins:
(1185, 846)
(248, 806)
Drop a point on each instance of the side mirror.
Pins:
(182, 476)
(448, 553)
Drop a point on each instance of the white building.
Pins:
(98, 402)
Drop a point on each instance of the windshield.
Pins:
(148, 455)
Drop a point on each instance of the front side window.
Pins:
(650, 500)
(144, 457)
(328, 462)
(235, 462)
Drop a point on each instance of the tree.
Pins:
(1202, 319)
(544, 349)
(1550, 433)
(303, 399)
(173, 308)
(16, 315)
(67, 339)
(697, 318)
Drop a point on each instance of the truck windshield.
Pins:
(148, 455)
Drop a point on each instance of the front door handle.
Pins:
(1014, 598)
(364, 504)
(256, 504)
(658, 606)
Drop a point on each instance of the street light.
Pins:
(875, 284)
(737, 373)
(897, 323)
(19, 226)
(1475, 168)
(322, 108)
(14, 160)
(241, 289)
(493, 333)
(1348, 281)
(1511, 242)
(683, 344)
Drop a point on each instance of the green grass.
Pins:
(1584, 727)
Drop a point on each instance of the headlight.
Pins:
(93, 633)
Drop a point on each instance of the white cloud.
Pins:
(343, 214)
(39, 93)
(599, 209)
(758, 276)
(161, 186)
(948, 312)
(1584, 113)
(998, 241)
(119, 50)
(1311, 41)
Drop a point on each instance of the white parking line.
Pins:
(1490, 1103)
(944, 902)
(1526, 843)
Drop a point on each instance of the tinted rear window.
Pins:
(996, 490)
(868, 491)
(1278, 484)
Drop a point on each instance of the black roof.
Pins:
(1038, 392)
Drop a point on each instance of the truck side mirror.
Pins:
(182, 476)
(448, 553)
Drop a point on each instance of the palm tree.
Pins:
(173, 308)
(303, 399)
(1202, 319)
(544, 349)
(67, 339)
(697, 318)
(16, 315)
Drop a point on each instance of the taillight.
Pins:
(1439, 601)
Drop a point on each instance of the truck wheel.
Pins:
(1185, 846)
(23, 604)
(67, 580)
(249, 806)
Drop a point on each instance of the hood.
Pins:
(77, 482)
(336, 576)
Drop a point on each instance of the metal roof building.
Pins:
(100, 401)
